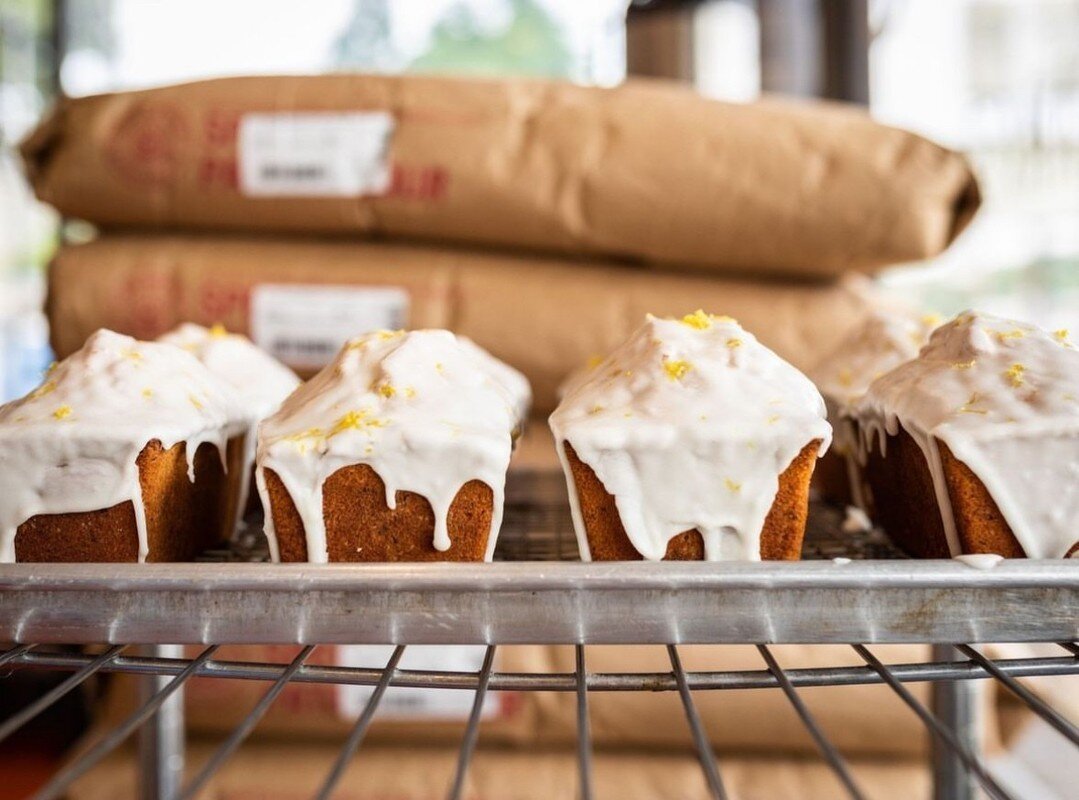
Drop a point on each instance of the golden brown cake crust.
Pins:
(906, 503)
(360, 527)
(978, 521)
(182, 518)
(781, 537)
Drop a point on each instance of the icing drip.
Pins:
(882, 342)
(1004, 397)
(426, 410)
(71, 445)
(689, 424)
(260, 381)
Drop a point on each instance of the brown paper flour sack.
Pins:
(863, 720)
(406, 715)
(648, 171)
(295, 771)
(545, 316)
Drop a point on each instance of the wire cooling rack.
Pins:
(852, 588)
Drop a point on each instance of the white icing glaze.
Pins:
(1004, 397)
(689, 424)
(425, 410)
(260, 381)
(71, 445)
(882, 342)
(856, 521)
(980, 560)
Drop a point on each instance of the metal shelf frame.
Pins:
(869, 602)
(138, 616)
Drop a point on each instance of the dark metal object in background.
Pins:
(846, 50)
(659, 40)
(808, 48)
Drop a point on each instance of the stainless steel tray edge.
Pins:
(541, 602)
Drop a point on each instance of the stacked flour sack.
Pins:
(690, 441)
(123, 453)
(973, 446)
(396, 451)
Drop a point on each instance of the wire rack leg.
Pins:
(700, 738)
(954, 705)
(161, 739)
(953, 734)
(584, 729)
(468, 744)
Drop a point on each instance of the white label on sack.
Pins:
(405, 703)
(315, 154)
(304, 326)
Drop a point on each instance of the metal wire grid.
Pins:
(954, 740)
(537, 529)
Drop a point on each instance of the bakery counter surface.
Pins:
(850, 587)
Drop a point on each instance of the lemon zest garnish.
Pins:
(46, 388)
(147, 392)
(734, 342)
(131, 354)
(218, 331)
(676, 370)
(594, 361)
(385, 335)
(698, 319)
(1014, 333)
(410, 392)
(845, 377)
(932, 319)
(628, 414)
(195, 401)
(310, 433)
(964, 364)
(772, 420)
(356, 420)
(733, 486)
(1014, 374)
(596, 409)
(438, 367)
(1061, 335)
(387, 389)
(63, 412)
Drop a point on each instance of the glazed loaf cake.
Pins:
(259, 380)
(690, 441)
(973, 447)
(119, 455)
(882, 342)
(396, 451)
